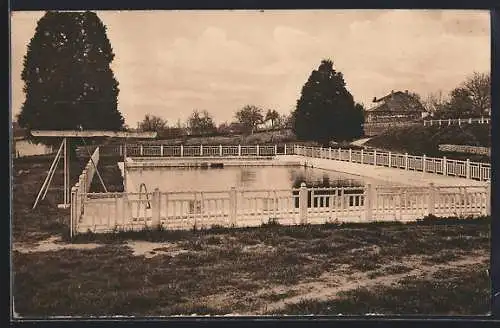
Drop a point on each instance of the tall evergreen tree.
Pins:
(67, 75)
(326, 110)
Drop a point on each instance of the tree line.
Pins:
(69, 84)
(247, 120)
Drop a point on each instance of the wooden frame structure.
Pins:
(63, 151)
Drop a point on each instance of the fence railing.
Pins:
(81, 189)
(459, 121)
(108, 212)
(442, 166)
(466, 149)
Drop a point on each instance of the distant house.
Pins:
(395, 107)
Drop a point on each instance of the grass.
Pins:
(420, 140)
(464, 292)
(247, 270)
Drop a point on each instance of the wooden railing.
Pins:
(459, 121)
(81, 189)
(443, 166)
(110, 212)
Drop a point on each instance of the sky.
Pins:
(169, 63)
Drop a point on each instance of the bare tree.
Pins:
(250, 116)
(152, 123)
(434, 102)
(201, 123)
(479, 87)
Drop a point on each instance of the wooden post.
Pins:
(488, 198)
(161, 150)
(406, 161)
(390, 159)
(275, 150)
(362, 156)
(375, 157)
(424, 163)
(445, 166)
(303, 203)
(467, 168)
(258, 150)
(182, 151)
(141, 150)
(340, 154)
(368, 199)
(432, 198)
(73, 212)
(285, 149)
(470, 120)
(459, 122)
(201, 150)
(439, 122)
(220, 150)
(233, 206)
(329, 152)
(155, 208)
(239, 150)
(350, 155)
(65, 171)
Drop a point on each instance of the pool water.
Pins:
(250, 177)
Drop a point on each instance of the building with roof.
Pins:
(397, 106)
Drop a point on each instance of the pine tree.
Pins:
(326, 110)
(68, 79)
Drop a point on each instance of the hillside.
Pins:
(421, 140)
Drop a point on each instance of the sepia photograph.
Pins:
(268, 163)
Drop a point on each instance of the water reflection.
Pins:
(218, 179)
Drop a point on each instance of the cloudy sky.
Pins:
(171, 62)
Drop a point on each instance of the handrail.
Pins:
(148, 204)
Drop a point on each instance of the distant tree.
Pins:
(326, 110)
(434, 102)
(273, 116)
(201, 123)
(67, 76)
(460, 105)
(479, 87)
(249, 116)
(152, 123)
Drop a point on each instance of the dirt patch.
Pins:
(50, 244)
(150, 249)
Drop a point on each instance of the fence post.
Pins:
(340, 154)
(362, 156)
(470, 120)
(220, 150)
(439, 122)
(73, 213)
(232, 206)
(406, 161)
(285, 150)
(303, 203)
(488, 198)
(161, 150)
(467, 168)
(239, 150)
(432, 198)
(459, 122)
(390, 159)
(121, 150)
(350, 155)
(375, 157)
(423, 163)
(445, 166)
(368, 199)
(449, 121)
(275, 150)
(155, 209)
(201, 150)
(182, 151)
(142, 150)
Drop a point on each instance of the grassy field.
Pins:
(390, 268)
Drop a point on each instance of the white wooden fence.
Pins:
(239, 208)
(81, 189)
(443, 166)
(459, 121)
